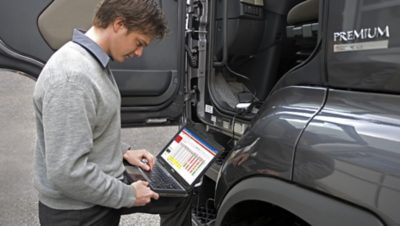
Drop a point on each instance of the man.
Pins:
(79, 172)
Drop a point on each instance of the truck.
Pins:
(304, 96)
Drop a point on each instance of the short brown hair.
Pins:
(144, 16)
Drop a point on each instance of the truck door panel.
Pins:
(151, 86)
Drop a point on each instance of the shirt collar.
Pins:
(80, 38)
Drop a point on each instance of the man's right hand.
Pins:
(143, 193)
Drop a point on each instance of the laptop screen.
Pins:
(189, 155)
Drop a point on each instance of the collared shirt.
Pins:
(80, 38)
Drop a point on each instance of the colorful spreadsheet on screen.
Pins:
(189, 155)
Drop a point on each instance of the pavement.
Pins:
(18, 198)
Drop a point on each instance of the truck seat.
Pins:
(303, 12)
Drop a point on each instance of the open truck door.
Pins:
(151, 86)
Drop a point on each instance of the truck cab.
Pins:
(303, 96)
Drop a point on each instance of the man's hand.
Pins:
(141, 158)
(143, 193)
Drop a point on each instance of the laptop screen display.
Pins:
(189, 155)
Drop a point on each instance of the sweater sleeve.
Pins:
(125, 147)
(68, 120)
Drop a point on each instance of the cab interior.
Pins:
(253, 44)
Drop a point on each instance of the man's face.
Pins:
(128, 44)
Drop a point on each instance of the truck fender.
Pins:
(313, 207)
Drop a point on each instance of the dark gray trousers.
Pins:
(173, 212)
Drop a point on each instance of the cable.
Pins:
(209, 199)
(233, 125)
(236, 73)
(224, 61)
(231, 141)
(197, 205)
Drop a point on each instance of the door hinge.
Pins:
(191, 96)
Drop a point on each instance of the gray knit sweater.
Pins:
(78, 156)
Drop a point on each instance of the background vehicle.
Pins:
(303, 95)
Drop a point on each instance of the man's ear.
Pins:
(118, 24)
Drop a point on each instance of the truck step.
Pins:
(202, 216)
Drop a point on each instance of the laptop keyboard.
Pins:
(158, 179)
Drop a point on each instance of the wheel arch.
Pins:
(312, 207)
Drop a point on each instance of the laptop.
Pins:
(180, 164)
